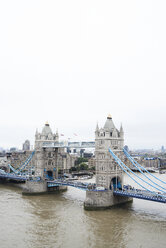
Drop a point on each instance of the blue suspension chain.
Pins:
(23, 165)
(26, 162)
(142, 172)
(120, 164)
(133, 160)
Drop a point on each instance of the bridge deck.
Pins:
(79, 185)
(134, 193)
(142, 194)
(10, 176)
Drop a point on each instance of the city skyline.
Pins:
(69, 136)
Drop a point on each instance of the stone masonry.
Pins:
(108, 174)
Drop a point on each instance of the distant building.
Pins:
(13, 149)
(3, 163)
(91, 162)
(150, 162)
(126, 148)
(2, 153)
(162, 149)
(162, 163)
(87, 154)
(26, 145)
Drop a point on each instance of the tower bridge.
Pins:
(109, 188)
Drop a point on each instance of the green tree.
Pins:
(80, 160)
(83, 166)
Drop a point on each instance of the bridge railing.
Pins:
(141, 194)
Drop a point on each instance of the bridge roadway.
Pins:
(126, 191)
(134, 193)
(79, 185)
(10, 176)
(142, 194)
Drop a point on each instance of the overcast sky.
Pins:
(71, 63)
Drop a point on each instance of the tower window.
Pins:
(111, 134)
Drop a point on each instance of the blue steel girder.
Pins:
(22, 167)
(140, 196)
(51, 184)
(12, 177)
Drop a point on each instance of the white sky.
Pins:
(73, 62)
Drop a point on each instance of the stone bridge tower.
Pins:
(48, 160)
(108, 174)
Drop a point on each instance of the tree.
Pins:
(73, 169)
(83, 166)
(80, 160)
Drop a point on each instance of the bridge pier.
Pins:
(40, 187)
(35, 187)
(57, 189)
(96, 200)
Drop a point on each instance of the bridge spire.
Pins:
(109, 125)
(121, 128)
(46, 124)
(57, 135)
(97, 127)
(121, 131)
(109, 116)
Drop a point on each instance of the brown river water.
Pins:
(60, 221)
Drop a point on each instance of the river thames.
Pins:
(60, 221)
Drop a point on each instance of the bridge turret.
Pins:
(57, 135)
(97, 130)
(46, 136)
(121, 131)
(36, 132)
